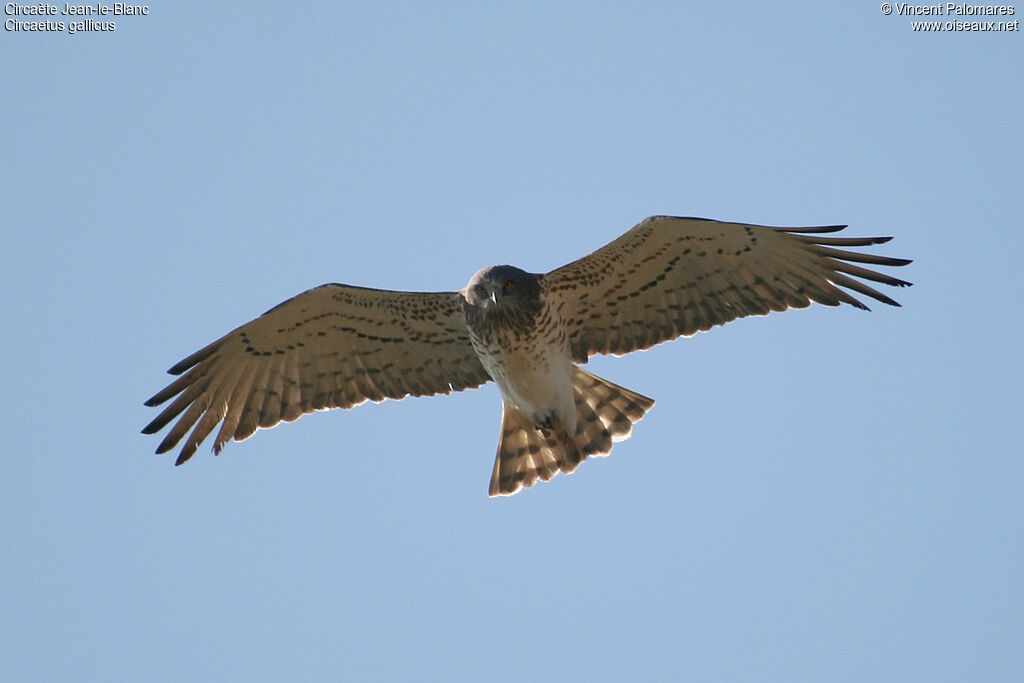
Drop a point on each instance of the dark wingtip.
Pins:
(813, 230)
(179, 368)
(196, 358)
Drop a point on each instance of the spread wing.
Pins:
(669, 277)
(334, 346)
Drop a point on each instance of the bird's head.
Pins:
(503, 289)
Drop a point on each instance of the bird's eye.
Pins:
(479, 289)
(508, 286)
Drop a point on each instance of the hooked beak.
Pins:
(494, 298)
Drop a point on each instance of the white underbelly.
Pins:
(538, 384)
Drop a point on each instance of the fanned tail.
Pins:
(605, 414)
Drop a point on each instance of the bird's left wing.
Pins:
(669, 277)
(333, 346)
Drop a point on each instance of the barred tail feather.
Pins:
(605, 413)
(525, 454)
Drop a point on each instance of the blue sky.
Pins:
(823, 494)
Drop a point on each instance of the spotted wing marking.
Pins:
(669, 277)
(334, 346)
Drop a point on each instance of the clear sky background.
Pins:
(824, 494)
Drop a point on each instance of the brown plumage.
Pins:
(336, 346)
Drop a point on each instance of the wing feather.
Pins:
(270, 411)
(236, 405)
(291, 398)
(670, 277)
(334, 346)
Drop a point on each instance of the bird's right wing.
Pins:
(333, 346)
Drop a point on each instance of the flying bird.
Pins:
(336, 346)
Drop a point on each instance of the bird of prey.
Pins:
(336, 346)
